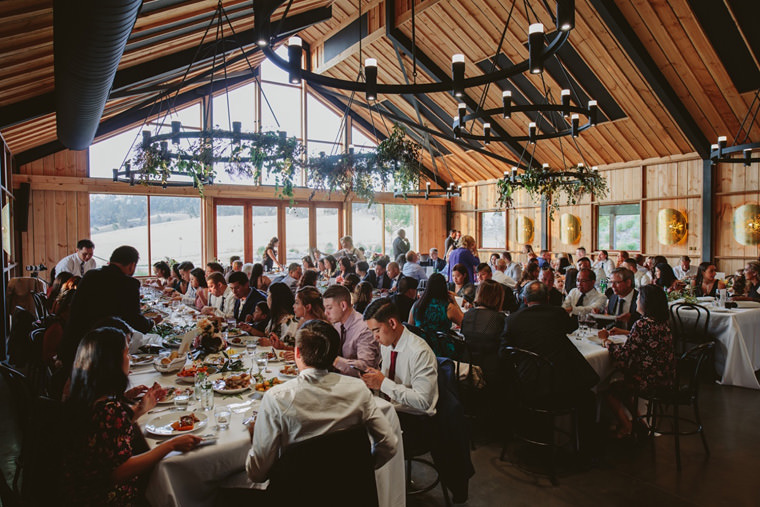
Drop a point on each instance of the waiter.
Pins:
(80, 262)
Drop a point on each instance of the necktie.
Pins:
(621, 304)
(580, 300)
(81, 269)
(236, 310)
(342, 335)
(221, 307)
(392, 369)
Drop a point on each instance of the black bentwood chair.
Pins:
(685, 392)
(525, 370)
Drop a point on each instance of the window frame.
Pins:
(612, 243)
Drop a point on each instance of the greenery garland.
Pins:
(396, 160)
(543, 182)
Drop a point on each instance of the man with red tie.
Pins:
(409, 371)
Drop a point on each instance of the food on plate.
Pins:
(185, 423)
(215, 359)
(289, 369)
(168, 359)
(192, 370)
(166, 394)
(141, 358)
(271, 356)
(281, 354)
(267, 384)
(234, 382)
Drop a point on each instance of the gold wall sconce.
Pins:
(671, 226)
(524, 229)
(569, 229)
(746, 224)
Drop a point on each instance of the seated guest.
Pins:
(500, 275)
(571, 279)
(394, 273)
(236, 265)
(622, 256)
(631, 265)
(383, 280)
(514, 269)
(344, 268)
(546, 276)
(294, 274)
(665, 278)
(109, 291)
(684, 269)
(246, 297)
(622, 302)
(358, 350)
(350, 282)
(460, 284)
(584, 299)
(409, 375)
(646, 358)
(603, 266)
(308, 306)
(362, 296)
(69, 285)
(221, 300)
(213, 267)
(259, 320)
(412, 267)
(258, 279)
(200, 286)
(405, 297)
(749, 290)
(319, 402)
(544, 259)
(366, 274)
(509, 302)
(182, 284)
(434, 261)
(492, 261)
(80, 262)
(56, 323)
(162, 272)
(55, 287)
(331, 267)
(482, 326)
(282, 327)
(309, 279)
(307, 264)
(543, 329)
(102, 464)
(529, 274)
(434, 312)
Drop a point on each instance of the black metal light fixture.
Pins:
(457, 75)
(536, 48)
(724, 154)
(452, 190)
(506, 104)
(565, 15)
(370, 74)
(295, 56)
(487, 133)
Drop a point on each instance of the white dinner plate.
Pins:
(603, 316)
(289, 375)
(217, 381)
(215, 360)
(161, 425)
(141, 359)
(705, 299)
(173, 392)
(242, 339)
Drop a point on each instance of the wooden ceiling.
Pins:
(665, 83)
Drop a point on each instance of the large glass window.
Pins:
(619, 227)
(367, 227)
(264, 229)
(296, 234)
(399, 216)
(175, 229)
(117, 220)
(230, 234)
(322, 124)
(327, 230)
(493, 230)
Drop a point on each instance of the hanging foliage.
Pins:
(543, 182)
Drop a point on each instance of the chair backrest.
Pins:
(690, 365)
(424, 335)
(336, 468)
(690, 323)
(529, 374)
(456, 340)
(40, 305)
(19, 346)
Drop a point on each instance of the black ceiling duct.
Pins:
(89, 37)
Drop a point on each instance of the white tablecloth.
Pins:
(193, 478)
(737, 348)
(596, 355)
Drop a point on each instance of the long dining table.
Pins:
(194, 478)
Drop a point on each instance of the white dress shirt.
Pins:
(415, 389)
(642, 278)
(501, 277)
(514, 270)
(189, 297)
(73, 264)
(629, 306)
(603, 269)
(414, 270)
(592, 300)
(313, 404)
(224, 305)
(681, 274)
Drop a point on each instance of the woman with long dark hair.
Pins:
(331, 268)
(282, 322)
(363, 296)
(461, 284)
(345, 267)
(162, 272)
(665, 278)
(435, 311)
(258, 279)
(308, 279)
(646, 358)
(751, 290)
(55, 288)
(101, 459)
(705, 282)
(198, 282)
(270, 255)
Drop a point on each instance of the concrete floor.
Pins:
(640, 477)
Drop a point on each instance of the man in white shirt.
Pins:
(394, 273)
(580, 253)
(584, 299)
(638, 276)
(80, 262)
(221, 300)
(603, 266)
(358, 349)
(409, 374)
(295, 271)
(685, 269)
(412, 267)
(513, 269)
(315, 403)
(499, 275)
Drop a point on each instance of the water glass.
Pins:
(181, 401)
(207, 396)
(262, 360)
(200, 379)
(223, 415)
(250, 348)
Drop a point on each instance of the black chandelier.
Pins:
(430, 193)
(721, 153)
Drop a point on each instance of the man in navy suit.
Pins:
(624, 299)
(383, 281)
(246, 296)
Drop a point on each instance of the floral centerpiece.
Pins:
(209, 339)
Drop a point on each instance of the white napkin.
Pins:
(187, 341)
